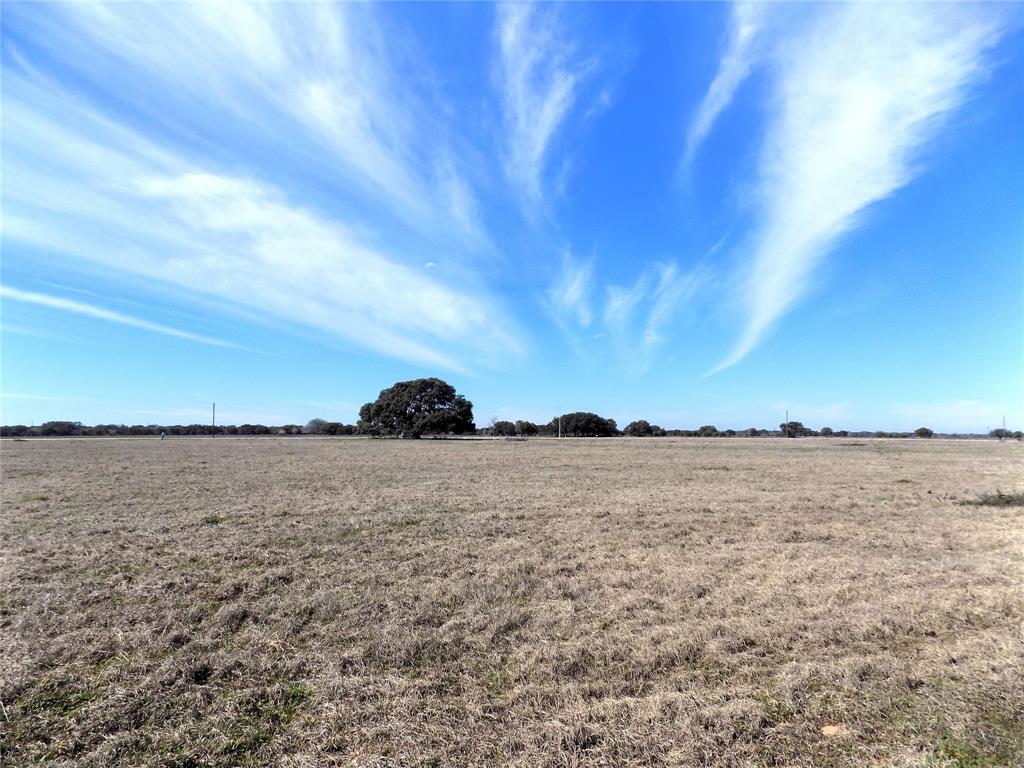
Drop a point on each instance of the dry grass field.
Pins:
(350, 602)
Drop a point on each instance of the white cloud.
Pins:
(638, 317)
(621, 303)
(323, 84)
(539, 79)
(569, 298)
(747, 20)
(858, 92)
(672, 291)
(81, 308)
(93, 191)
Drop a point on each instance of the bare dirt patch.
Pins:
(351, 602)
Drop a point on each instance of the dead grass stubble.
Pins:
(545, 603)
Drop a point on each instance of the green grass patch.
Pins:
(57, 698)
(997, 499)
(212, 520)
(958, 754)
(346, 532)
(776, 711)
(261, 715)
(30, 499)
(496, 681)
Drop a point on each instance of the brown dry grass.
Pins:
(307, 602)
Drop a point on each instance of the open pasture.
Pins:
(650, 602)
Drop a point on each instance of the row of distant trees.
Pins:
(77, 429)
(592, 425)
(433, 407)
(579, 424)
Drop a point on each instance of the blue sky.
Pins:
(688, 213)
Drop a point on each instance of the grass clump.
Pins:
(997, 499)
(60, 698)
(954, 753)
(261, 715)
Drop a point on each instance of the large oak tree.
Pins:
(418, 407)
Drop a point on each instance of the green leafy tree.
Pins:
(60, 428)
(708, 430)
(639, 428)
(923, 432)
(583, 424)
(826, 432)
(794, 429)
(418, 407)
(503, 429)
(526, 428)
(252, 429)
(315, 427)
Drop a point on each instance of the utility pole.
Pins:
(786, 426)
(559, 426)
(213, 422)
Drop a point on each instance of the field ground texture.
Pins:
(356, 602)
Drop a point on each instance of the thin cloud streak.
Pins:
(569, 297)
(81, 308)
(736, 64)
(539, 82)
(639, 317)
(858, 93)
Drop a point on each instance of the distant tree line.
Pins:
(578, 424)
(77, 429)
(433, 407)
(592, 425)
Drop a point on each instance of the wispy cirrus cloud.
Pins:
(569, 297)
(81, 308)
(858, 91)
(639, 317)
(93, 192)
(321, 84)
(632, 321)
(539, 75)
(737, 61)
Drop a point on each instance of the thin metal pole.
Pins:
(213, 422)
